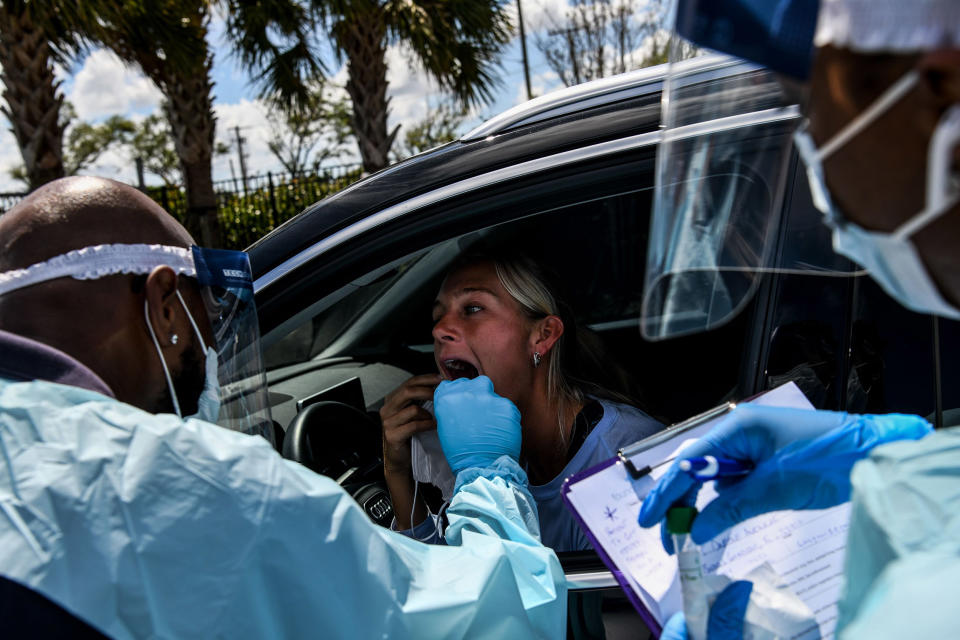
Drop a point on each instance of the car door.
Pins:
(352, 302)
(361, 307)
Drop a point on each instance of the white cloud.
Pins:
(116, 164)
(104, 85)
(541, 83)
(540, 15)
(251, 117)
(9, 158)
(412, 92)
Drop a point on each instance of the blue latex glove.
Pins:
(676, 628)
(474, 424)
(802, 461)
(725, 621)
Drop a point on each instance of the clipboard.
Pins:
(584, 494)
(625, 455)
(648, 617)
(624, 458)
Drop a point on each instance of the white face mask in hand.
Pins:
(890, 258)
(428, 462)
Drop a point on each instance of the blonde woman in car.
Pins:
(498, 316)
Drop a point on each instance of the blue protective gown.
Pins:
(146, 525)
(903, 555)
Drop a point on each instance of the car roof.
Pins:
(594, 112)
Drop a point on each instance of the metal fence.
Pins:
(247, 210)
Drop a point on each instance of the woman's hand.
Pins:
(402, 416)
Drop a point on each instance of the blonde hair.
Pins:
(577, 365)
(522, 279)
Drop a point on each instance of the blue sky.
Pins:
(100, 86)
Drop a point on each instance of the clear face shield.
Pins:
(723, 163)
(235, 388)
(226, 288)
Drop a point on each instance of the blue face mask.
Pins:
(208, 404)
(890, 258)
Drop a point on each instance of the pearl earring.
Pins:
(174, 338)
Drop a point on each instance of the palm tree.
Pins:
(167, 39)
(28, 49)
(457, 43)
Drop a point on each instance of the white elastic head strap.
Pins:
(888, 98)
(99, 261)
(938, 161)
(892, 26)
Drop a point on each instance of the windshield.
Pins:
(332, 317)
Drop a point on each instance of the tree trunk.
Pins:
(33, 101)
(189, 108)
(188, 93)
(362, 40)
(202, 202)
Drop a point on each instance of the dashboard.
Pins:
(326, 420)
(303, 383)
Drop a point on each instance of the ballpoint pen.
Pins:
(711, 467)
(697, 420)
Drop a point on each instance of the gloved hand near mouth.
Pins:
(475, 425)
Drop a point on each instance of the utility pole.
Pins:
(243, 162)
(523, 49)
(140, 183)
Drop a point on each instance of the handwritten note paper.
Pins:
(805, 547)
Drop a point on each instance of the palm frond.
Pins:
(275, 40)
(159, 35)
(458, 42)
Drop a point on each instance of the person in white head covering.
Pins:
(880, 145)
(126, 508)
(884, 123)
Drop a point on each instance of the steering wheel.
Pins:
(344, 443)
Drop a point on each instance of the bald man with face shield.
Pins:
(878, 133)
(120, 344)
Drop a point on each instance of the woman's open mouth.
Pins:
(454, 368)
